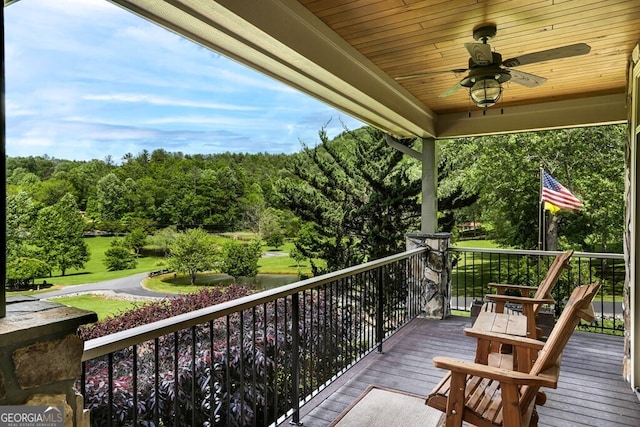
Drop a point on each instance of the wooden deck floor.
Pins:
(591, 390)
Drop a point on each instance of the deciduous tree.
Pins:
(163, 239)
(58, 234)
(119, 258)
(21, 271)
(110, 196)
(503, 170)
(136, 239)
(20, 217)
(239, 259)
(271, 228)
(191, 252)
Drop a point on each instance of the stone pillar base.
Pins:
(40, 356)
(434, 281)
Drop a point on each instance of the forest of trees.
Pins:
(503, 172)
(346, 200)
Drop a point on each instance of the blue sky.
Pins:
(86, 79)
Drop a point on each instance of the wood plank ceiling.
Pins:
(408, 37)
(349, 54)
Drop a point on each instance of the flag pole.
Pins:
(544, 228)
(540, 214)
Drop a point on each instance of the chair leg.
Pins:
(533, 422)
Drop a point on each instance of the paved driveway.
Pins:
(126, 286)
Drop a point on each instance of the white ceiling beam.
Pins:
(284, 40)
(597, 110)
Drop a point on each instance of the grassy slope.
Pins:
(95, 271)
(276, 262)
(475, 244)
(104, 307)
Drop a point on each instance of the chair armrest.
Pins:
(519, 300)
(497, 374)
(504, 286)
(504, 338)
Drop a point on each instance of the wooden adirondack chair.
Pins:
(530, 306)
(485, 395)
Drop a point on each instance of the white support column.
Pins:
(632, 237)
(429, 211)
(429, 222)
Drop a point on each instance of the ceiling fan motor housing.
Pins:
(485, 32)
(491, 72)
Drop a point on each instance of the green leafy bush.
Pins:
(240, 260)
(275, 240)
(119, 258)
(22, 271)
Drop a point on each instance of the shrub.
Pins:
(248, 369)
(274, 240)
(119, 258)
(22, 271)
(240, 260)
(162, 309)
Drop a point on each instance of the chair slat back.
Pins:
(578, 307)
(559, 263)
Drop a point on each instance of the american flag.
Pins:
(554, 193)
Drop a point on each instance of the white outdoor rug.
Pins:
(380, 406)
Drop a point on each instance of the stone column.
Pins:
(434, 280)
(40, 356)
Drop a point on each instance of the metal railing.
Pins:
(474, 268)
(255, 360)
(251, 361)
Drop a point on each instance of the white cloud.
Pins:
(18, 109)
(157, 100)
(86, 79)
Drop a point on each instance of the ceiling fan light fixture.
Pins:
(485, 92)
(487, 70)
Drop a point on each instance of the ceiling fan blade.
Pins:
(480, 53)
(548, 55)
(526, 79)
(450, 91)
(430, 73)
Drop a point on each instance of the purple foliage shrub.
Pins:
(203, 374)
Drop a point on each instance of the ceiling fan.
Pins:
(487, 70)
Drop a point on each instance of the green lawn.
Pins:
(488, 244)
(104, 307)
(460, 313)
(180, 284)
(276, 261)
(472, 271)
(95, 271)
